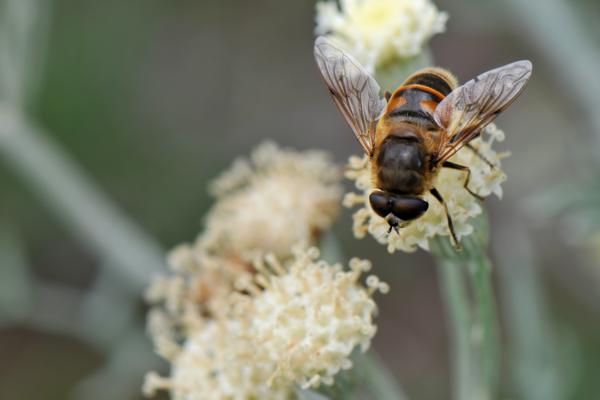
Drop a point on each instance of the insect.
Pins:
(410, 134)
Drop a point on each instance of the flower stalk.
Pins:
(457, 310)
(47, 168)
(466, 283)
(369, 378)
(377, 378)
(73, 196)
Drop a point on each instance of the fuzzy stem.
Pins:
(456, 303)
(46, 167)
(480, 273)
(472, 318)
(307, 394)
(393, 74)
(378, 378)
(539, 352)
(66, 189)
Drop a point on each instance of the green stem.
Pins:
(46, 167)
(82, 205)
(539, 353)
(391, 75)
(486, 321)
(378, 379)
(456, 302)
(307, 394)
(472, 318)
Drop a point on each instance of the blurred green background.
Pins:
(154, 98)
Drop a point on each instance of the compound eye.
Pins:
(409, 208)
(381, 203)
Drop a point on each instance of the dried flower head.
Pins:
(199, 285)
(276, 199)
(461, 205)
(194, 326)
(311, 315)
(377, 32)
(219, 362)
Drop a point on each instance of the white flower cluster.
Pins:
(217, 361)
(462, 206)
(246, 314)
(298, 324)
(312, 315)
(377, 32)
(274, 200)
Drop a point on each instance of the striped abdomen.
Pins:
(416, 99)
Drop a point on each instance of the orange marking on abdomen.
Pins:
(429, 105)
(396, 102)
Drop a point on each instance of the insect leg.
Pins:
(481, 156)
(439, 198)
(451, 165)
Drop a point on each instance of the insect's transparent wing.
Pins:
(469, 108)
(354, 91)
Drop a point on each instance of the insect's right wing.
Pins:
(354, 91)
(472, 106)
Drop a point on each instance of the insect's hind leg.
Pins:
(467, 170)
(439, 198)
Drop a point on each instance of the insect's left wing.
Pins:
(354, 91)
(469, 108)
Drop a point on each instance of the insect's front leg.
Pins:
(439, 198)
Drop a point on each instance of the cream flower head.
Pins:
(219, 362)
(274, 200)
(310, 316)
(296, 322)
(194, 326)
(199, 283)
(380, 31)
(462, 206)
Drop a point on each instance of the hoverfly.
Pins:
(409, 135)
